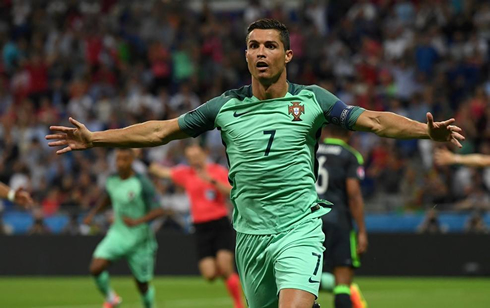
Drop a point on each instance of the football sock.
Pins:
(149, 297)
(342, 296)
(233, 286)
(327, 282)
(102, 282)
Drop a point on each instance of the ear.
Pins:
(246, 52)
(288, 56)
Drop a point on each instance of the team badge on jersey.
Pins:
(296, 110)
(131, 195)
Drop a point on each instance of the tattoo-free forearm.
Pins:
(391, 125)
(147, 134)
(472, 160)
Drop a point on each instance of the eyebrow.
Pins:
(266, 42)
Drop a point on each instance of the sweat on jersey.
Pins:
(270, 146)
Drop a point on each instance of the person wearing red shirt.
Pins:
(208, 189)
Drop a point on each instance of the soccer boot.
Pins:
(356, 297)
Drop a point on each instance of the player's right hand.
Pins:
(78, 138)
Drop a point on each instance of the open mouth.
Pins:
(261, 65)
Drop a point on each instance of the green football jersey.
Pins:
(133, 197)
(271, 145)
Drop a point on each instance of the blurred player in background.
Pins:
(208, 189)
(130, 237)
(270, 129)
(443, 156)
(18, 196)
(340, 169)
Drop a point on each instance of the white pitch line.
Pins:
(196, 302)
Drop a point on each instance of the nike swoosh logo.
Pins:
(236, 115)
(313, 281)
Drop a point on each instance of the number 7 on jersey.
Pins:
(271, 139)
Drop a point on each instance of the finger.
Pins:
(455, 128)
(75, 122)
(55, 136)
(456, 142)
(63, 151)
(58, 143)
(62, 128)
(458, 136)
(430, 120)
(448, 122)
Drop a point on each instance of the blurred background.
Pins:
(114, 63)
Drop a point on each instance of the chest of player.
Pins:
(286, 122)
(125, 193)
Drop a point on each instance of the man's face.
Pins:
(124, 161)
(265, 54)
(196, 157)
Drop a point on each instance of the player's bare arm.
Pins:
(101, 205)
(132, 222)
(356, 205)
(160, 171)
(445, 157)
(18, 196)
(391, 125)
(147, 134)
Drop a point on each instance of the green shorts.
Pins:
(140, 256)
(288, 260)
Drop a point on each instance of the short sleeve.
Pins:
(201, 119)
(334, 110)
(150, 196)
(179, 175)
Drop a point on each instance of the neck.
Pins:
(269, 89)
(126, 174)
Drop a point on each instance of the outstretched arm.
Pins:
(160, 171)
(446, 157)
(147, 134)
(18, 196)
(391, 125)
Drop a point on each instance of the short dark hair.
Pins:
(267, 23)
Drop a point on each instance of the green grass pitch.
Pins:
(176, 292)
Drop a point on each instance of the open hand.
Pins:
(78, 138)
(444, 131)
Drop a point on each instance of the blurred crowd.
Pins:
(114, 63)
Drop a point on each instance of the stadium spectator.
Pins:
(406, 48)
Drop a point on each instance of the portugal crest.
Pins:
(296, 110)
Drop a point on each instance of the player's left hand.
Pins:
(362, 243)
(23, 198)
(130, 222)
(444, 131)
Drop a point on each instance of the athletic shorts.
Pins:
(213, 236)
(287, 260)
(140, 256)
(341, 247)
